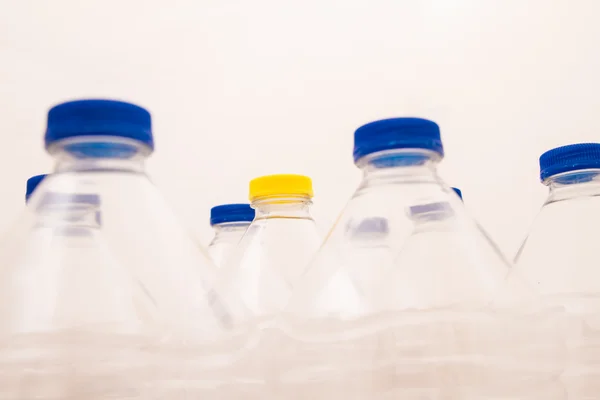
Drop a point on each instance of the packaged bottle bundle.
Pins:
(102, 293)
(408, 297)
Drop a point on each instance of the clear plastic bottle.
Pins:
(398, 302)
(277, 246)
(102, 293)
(559, 257)
(66, 231)
(230, 222)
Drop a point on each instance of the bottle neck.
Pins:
(99, 153)
(284, 206)
(573, 184)
(400, 165)
(230, 228)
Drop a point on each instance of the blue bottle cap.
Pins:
(397, 133)
(569, 158)
(231, 213)
(99, 118)
(33, 183)
(458, 192)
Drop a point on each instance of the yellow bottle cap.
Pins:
(280, 185)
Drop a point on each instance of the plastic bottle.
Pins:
(120, 306)
(277, 247)
(66, 232)
(230, 222)
(559, 257)
(399, 302)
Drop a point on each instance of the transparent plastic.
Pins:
(271, 256)
(273, 253)
(408, 298)
(104, 295)
(227, 236)
(559, 258)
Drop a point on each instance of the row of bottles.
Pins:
(231, 221)
(104, 295)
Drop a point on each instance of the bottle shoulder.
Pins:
(559, 254)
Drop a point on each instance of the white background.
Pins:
(240, 88)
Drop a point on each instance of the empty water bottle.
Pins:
(400, 301)
(559, 257)
(277, 246)
(230, 222)
(65, 233)
(102, 293)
